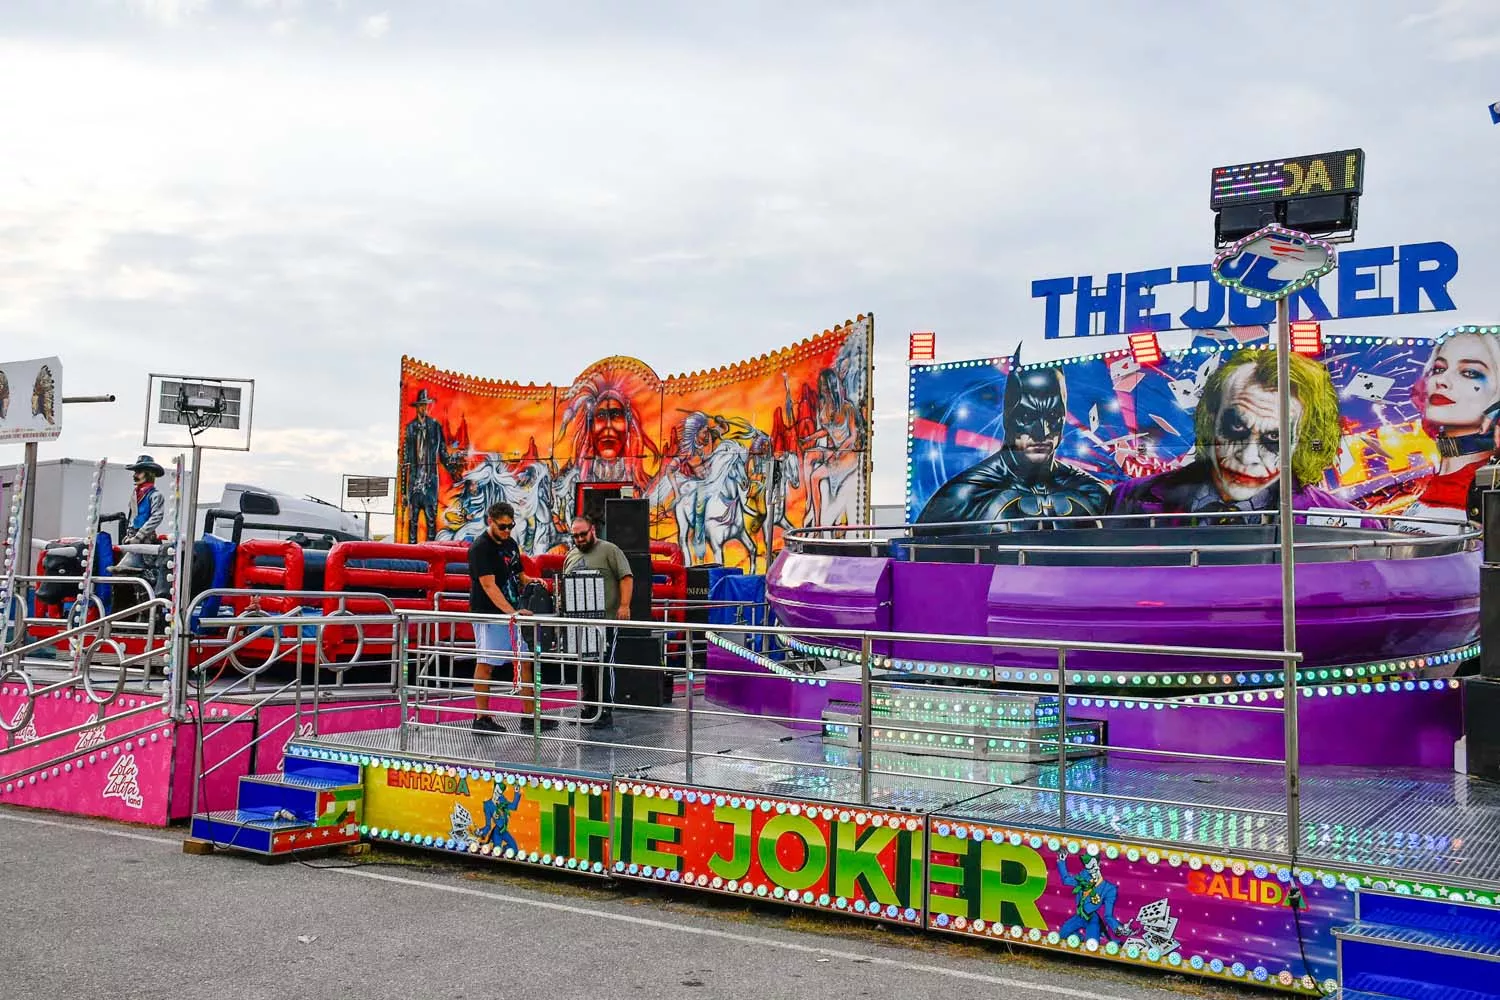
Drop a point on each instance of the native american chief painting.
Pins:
(729, 459)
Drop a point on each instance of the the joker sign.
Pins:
(1237, 461)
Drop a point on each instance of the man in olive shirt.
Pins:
(592, 552)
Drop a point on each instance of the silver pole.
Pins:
(401, 693)
(25, 564)
(187, 529)
(1288, 577)
(866, 720)
(688, 740)
(1062, 738)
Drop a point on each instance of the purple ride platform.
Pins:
(1362, 595)
(1385, 620)
(1422, 715)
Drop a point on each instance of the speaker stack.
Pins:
(639, 679)
(627, 523)
(1482, 693)
(591, 498)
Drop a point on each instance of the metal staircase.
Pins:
(315, 803)
(1416, 948)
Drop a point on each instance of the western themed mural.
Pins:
(1385, 425)
(729, 458)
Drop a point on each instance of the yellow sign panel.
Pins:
(520, 816)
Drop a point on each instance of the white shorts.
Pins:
(497, 644)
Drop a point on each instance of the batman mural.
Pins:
(1023, 479)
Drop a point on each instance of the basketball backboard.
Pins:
(368, 495)
(183, 411)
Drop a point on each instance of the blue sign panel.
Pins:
(1141, 301)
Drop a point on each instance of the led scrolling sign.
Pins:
(1342, 172)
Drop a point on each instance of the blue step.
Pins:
(1458, 943)
(1381, 955)
(323, 770)
(297, 793)
(245, 830)
(1444, 916)
(1395, 988)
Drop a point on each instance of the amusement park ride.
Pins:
(1255, 742)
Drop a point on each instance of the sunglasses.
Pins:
(505, 525)
(580, 536)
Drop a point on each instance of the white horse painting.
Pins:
(710, 511)
(528, 489)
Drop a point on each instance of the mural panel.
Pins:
(730, 458)
(1236, 919)
(1382, 425)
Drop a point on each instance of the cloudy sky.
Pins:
(300, 191)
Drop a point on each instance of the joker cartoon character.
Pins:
(497, 810)
(1094, 903)
(1237, 461)
(1023, 479)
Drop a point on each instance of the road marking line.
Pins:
(752, 939)
(625, 918)
(89, 828)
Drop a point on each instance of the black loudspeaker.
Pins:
(627, 523)
(699, 580)
(1490, 506)
(640, 592)
(1489, 620)
(636, 649)
(591, 500)
(1482, 726)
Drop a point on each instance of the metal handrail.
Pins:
(1265, 517)
(17, 652)
(854, 634)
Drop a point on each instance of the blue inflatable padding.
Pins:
(222, 551)
(396, 565)
(104, 561)
(749, 592)
(314, 567)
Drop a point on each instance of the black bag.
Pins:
(537, 599)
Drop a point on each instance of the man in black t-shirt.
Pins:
(496, 577)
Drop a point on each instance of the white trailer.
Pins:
(62, 492)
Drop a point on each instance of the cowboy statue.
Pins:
(145, 516)
(423, 446)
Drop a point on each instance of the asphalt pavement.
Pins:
(92, 909)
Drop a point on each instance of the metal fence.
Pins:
(697, 737)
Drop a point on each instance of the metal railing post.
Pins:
(866, 720)
(1291, 752)
(688, 740)
(536, 691)
(1062, 737)
(401, 696)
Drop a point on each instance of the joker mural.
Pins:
(1024, 479)
(1236, 466)
(1385, 426)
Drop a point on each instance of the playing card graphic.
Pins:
(1366, 386)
